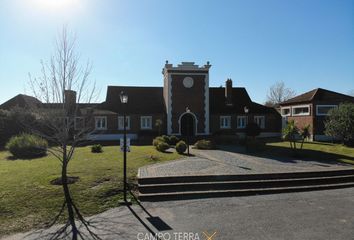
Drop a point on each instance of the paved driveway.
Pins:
(219, 162)
(295, 216)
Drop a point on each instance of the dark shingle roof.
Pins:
(315, 94)
(141, 100)
(22, 101)
(240, 99)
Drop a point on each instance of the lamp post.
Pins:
(188, 131)
(124, 101)
(246, 110)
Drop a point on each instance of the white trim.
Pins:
(301, 106)
(196, 122)
(321, 114)
(221, 126)
(127, 120)
(100, 128)
(206, 104)
(110, 137)
(141, 122)
(169, 108)
(264, 121)
(285, 115)
(246, 121)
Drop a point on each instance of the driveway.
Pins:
(230, 161)
(295, 216)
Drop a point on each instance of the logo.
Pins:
(208, 236)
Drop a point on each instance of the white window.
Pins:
(101, 123)
(303, 110)
(146, 122)
(225, 122)
(241, 121)
(121, 122)
(322, 110)
(285, 111)
(260, 120)
(79, 123)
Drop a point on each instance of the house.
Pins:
(185, 104)
(311, 108)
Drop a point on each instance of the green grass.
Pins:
(28, 200)
(315, 151)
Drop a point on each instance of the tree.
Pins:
(278, 93)
(340, 122)
(291, 133)
(63, 84)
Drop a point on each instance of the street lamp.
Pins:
(246, 110)
(188, 130)
(124, 101)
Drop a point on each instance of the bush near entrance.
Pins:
(162, 146)
(203, 144)
(181, 147)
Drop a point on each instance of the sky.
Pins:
(305, 43)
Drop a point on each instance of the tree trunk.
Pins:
(69, 203)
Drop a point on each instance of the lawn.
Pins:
(315, 151)
(28, 200)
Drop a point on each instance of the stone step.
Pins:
(242, 177)
(153, 197)
(245, 184)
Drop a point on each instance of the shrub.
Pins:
(340, 123)
(173, 140)
(181, 147)
(166, 139)
(162, 146)
(157, 140)
(27, 146)
(203, 144)
(97, 148)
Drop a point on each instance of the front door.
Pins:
(187, 125)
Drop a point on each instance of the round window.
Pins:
(188, 82)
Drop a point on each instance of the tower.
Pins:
(186, 96)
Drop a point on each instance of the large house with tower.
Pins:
(185, 105)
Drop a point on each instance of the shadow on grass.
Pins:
(13, 158)
(286, 155)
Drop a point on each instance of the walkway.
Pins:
(223, 162)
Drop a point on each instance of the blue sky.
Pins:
(306, 44)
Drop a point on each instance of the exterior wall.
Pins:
(113, 133)
(302, 121)
(193, 98)
(271, 128)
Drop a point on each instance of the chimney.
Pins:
(70, 101)
(228, 92)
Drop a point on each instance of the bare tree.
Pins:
(66, 123)
(278, 93)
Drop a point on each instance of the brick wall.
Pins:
(193, 98)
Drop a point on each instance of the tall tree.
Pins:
(278, 93)
(63, 84)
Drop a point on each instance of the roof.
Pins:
(22, 101)
(316, 94)
(240, 100)
(142, 100)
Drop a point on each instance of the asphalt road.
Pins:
(308, 215)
